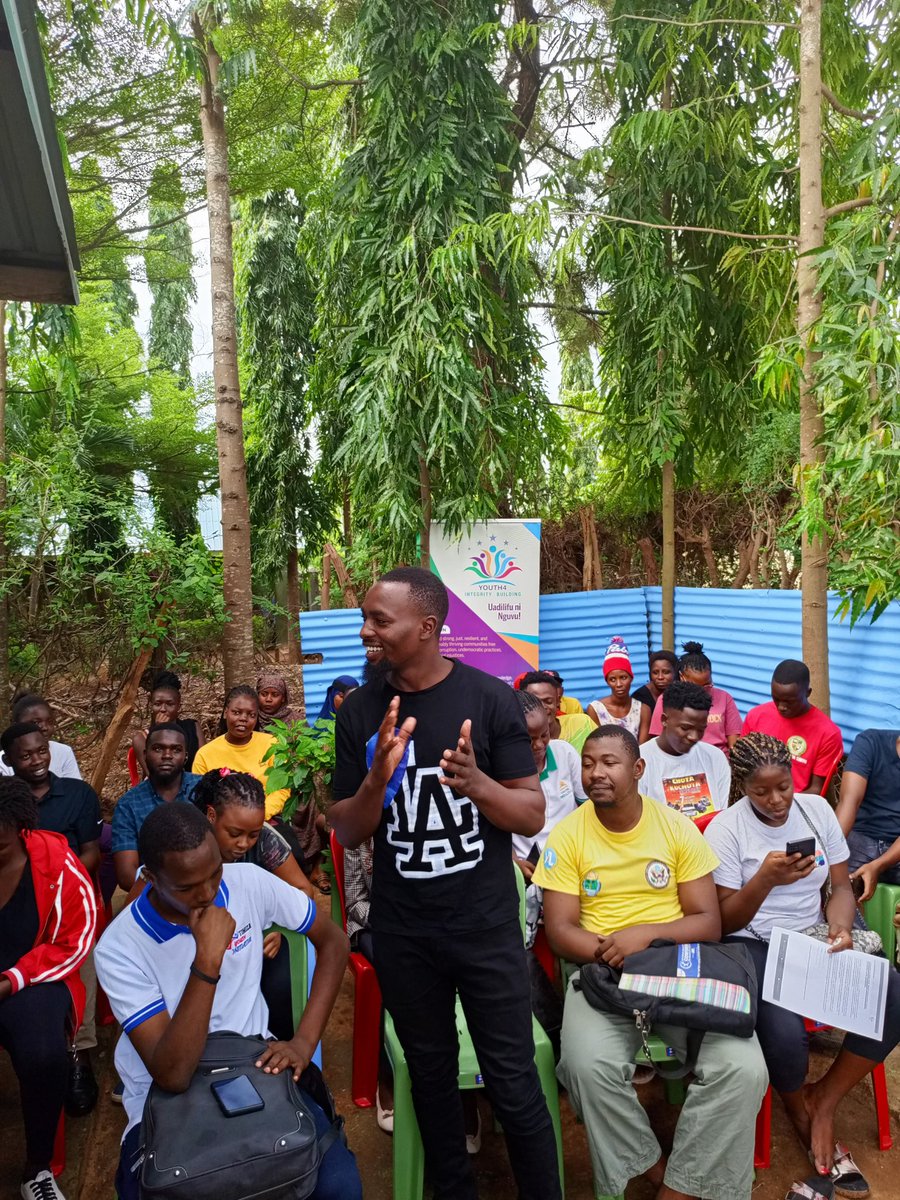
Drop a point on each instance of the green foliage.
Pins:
(303, 761)
(276, 308)
(428, 371)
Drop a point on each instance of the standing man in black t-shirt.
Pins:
(434, 760)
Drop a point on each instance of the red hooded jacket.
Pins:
(67, 915)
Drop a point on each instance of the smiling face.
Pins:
(682, 728)
(188, 879)
(771, 792)
(539, 731)
(236, 829)
(619, 684)
(609, 774)
(240, 719)
(395, 632)
(29, 757)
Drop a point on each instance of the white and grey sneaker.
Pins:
(42, 1187)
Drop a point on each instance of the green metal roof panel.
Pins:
(38, 253)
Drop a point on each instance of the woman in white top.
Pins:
(619, 707)
(761, 886)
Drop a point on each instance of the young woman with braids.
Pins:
(760, 886)
(234, 804)
(47, 922)
(165, 709)
(724, 723)
(240, 747)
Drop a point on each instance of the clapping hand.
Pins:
(461, 771)
(391, 745)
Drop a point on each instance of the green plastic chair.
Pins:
(879, 914)
(409, 1154)
(302, 959)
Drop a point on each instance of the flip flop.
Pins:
(846, 1176)
(321, 882)
(819, 1187)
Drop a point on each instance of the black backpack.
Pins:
(192, 1151)
(722, 975)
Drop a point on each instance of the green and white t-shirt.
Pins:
(563, 792)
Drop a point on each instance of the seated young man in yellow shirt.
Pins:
(618, 873)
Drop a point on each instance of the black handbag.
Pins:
(193, 1151)
(698, 986)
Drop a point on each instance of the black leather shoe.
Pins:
(81, 1090)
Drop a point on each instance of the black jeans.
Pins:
(33, 1031)
(419, 979)
(785, 1042)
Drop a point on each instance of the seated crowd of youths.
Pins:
(446, 782)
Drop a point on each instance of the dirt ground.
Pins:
(92, 1143)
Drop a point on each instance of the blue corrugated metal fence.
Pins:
(745, 634)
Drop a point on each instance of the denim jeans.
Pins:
(863, 849)
(420, 977)
(338, 1175)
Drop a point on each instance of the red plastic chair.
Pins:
(763, 1149)
(366, 1005)
(133, 771)
(703, 822)
(882, 1112)
(830, 774)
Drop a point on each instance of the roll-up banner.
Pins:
(493, 575)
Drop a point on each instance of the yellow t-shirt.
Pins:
(574, 728)
(624, 879)
(222, 753)
(570, 706)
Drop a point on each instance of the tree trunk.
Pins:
(651, 570)
(813, 550)
(592, 568)
(293, 607)
(351, 600)
(4, 601)
(237, 587)
(326, 582)
(121, 718)
(425, 496)
(347, 518)
(668, 555)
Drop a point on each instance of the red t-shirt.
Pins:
(814, 740)
(724, 720)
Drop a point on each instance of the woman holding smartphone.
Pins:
(776, 850)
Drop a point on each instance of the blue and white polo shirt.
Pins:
(143, 962)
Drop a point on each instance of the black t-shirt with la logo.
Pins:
(440, 866)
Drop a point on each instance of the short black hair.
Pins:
(693, 658)
(625, 736)
(680, 695)
(170, 829)
(165, 727)
(536, 677)
(20, 729)
(18, 808)
(168, 681)
(663, 656)
(529, 703)
(791, 670)
(25, 701)
(428, 593)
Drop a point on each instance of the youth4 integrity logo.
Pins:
(493, 566)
